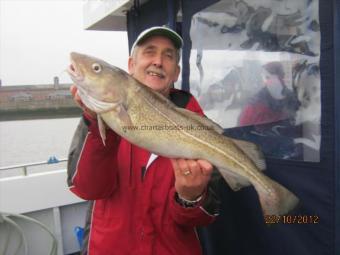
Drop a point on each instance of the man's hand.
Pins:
(77, 99)
(192, 177)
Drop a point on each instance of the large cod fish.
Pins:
(148, 119)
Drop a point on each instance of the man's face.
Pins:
(155, 64)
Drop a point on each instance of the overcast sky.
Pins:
(36, 37)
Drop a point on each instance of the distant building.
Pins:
(21, 96)
(33, 97)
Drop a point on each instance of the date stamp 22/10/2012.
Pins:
(291, 219)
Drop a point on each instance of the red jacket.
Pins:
(134, 210)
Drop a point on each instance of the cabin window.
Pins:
(254, 67)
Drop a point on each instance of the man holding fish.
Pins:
(143, 203)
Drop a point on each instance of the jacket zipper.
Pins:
(143, 172)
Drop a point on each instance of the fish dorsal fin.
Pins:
(253, 151)
(204, 121)
(152, 96)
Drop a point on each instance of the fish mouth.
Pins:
(75, 72)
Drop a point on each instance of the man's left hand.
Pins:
(192, 177)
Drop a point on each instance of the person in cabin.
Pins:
(271, 114)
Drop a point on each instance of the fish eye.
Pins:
(96, 67)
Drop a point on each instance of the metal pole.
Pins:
(336, 24)
(171, 14)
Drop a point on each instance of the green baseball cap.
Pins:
(162, 31)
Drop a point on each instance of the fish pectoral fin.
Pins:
(253, 151)
(123, 116)
(204, 121)
(118, 117)
(102, 129)
(235, 181)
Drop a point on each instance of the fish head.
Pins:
(100, 85)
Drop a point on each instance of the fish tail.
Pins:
(276, 199)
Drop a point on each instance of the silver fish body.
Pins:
(149, 120)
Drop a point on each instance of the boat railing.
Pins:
(25, 166)
(48, 211)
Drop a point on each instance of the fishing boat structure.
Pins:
(38, 214)
(226, 42)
